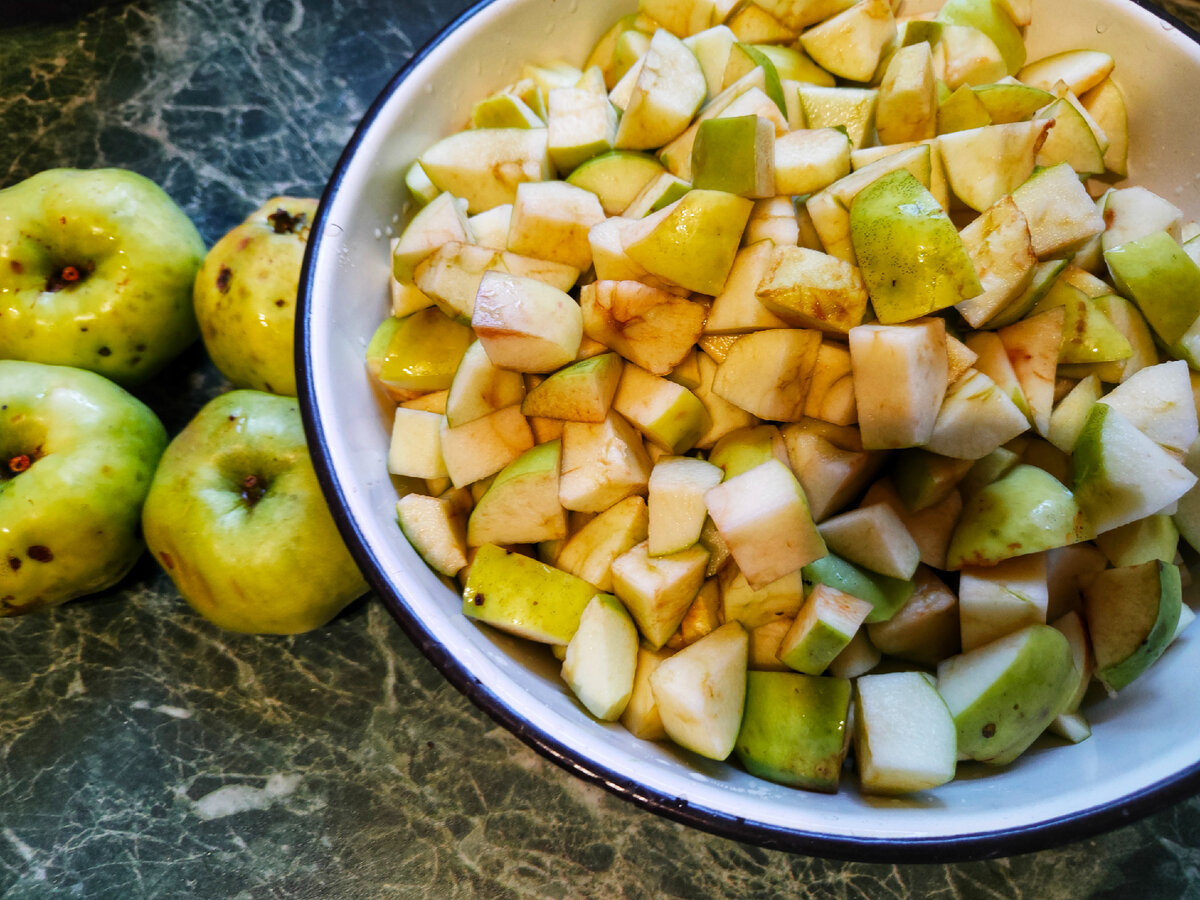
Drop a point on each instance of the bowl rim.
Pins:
(1075, 826)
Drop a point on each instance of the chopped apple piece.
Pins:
(768, 373)
(676, 502)
(809, 289)
(652, 328)
(602, 464)
(997, 600)
(904, 736)
(873, 537)
(526, 325)
(657, 590)
(590, 551)
(822, 629)
(900, 378)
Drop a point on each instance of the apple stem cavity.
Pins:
(19, 463)
(253, 490)
(285, 223)
(66, 276)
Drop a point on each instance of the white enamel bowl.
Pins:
(1144, 751)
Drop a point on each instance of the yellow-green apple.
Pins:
(245, 296)
(77, 453)
(416, 354)
(97, 272)
(235, 510)
(1131, 614)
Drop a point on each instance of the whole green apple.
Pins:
(77, 454)
(96, 271)
(236, 517)
(245, 296)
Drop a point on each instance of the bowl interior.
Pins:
(1144, 748)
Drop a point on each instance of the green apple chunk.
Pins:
(1158, 275)
(794, 729)
(983, 164)
(908, 105)
(521, 505)
(601, 658)
(97, 273)
(416, 354)
(701, 692)
(904, 735)
(735, 154)
(245, 296)
(436, 527)
(1122, 475)
(1003, 695)
(886, 595)
(897, 211)
(76, 457)
(1080, 70)
(763, 517)
(616, 177)
(1024, 511)
(822, 629)
(1132, 613)
(1154, 537)
(743, 449)
(580, 392)
(235, 511)
(669, 415)
(522, 596)
(692, 243)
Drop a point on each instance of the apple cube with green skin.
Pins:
(1003, 695)
(962, 111)
(1080, 70)
(810, 289)
(77, 454)
(484, 166)
(908, 105)
(436, 527)
(669, 415)
(98, 273)
(521, 505)
(923, 478)
(701, 692)
(601, 658)
(886, 595)
(767, 373)
(668, 90)
(652, 328)
(997, 600)
(479, 388)
(1025, 511)
(822, 629)
(1121, 475)
(794, 729)
(763, 517)
(580, 392)
(1154, 537)
(416, 354)
(901, 375)
(692, 243)
(904, 735)
(524, 597)
(1132, 613)
(235, 510)
(616, 177)
(676, 502)
(580, 125)
(1134, 213)
(743, 449)
(1158, 275)
(736, 155)
(897, 211)
(1008, 101)
(850, 43)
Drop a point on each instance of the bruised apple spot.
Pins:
(40, 553)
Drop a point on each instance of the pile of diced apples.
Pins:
(794, 372)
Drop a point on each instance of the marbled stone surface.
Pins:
(144, 753)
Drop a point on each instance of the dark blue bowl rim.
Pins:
(1076, 826)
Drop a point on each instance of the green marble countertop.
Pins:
(144, 753)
